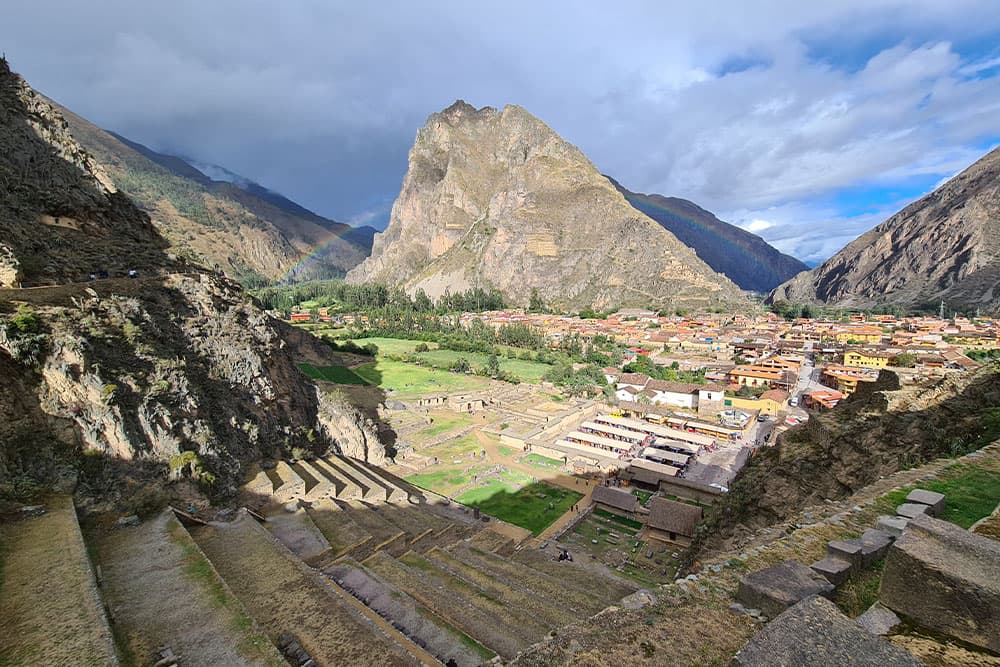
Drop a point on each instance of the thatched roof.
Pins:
(673, 517)
(617, 498)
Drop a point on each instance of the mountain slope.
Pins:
(745, 258)
(220, 223)
(173, 368)
(497, 199)
(945, 246)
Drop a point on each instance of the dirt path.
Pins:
(50, 610)
(162, 592)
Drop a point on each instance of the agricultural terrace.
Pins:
(412, 381)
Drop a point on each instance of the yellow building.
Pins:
(863, 334)
(865, 359)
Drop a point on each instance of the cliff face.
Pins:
(497, 199)
(945, 246)
(745, 258)
(176, 368)
(248, 232)
(61, 217)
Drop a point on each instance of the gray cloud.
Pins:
(321, 100)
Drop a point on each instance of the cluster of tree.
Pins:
(346, 297)
(983, 355)
(449, 332)
(643, 364)
(576, 382)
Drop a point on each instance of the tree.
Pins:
(461, 365)
(492, 365)
(905, 360)
(421, 347)
(535, 303)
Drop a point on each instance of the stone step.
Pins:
(546, 609)
(318, 486)
(578, 600)
(846, 550)
(416, 621)
(463, 606)
(298, 533)
(369, 489)
(287, 596)
(775, 588)
(893, 525)
(372, 519)
(347, 488)
(489, 540)
(149, 589)
(393, 492)
(441, 538)
(834, 570)
(52, 612)
(933, 500)
(590, 577)
(911, 510)
(874, 545)
(288, 484)
(340, 532)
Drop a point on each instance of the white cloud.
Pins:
(321, 101)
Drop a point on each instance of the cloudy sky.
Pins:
(805, 122)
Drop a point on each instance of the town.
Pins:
(641, 458)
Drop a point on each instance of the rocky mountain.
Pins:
(174, 370)
(745, 258)
(496, 199)
(944, 246)
(247, 230)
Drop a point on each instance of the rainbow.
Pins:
(310, 258)
(691, 230)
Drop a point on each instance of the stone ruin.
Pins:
(937, 577)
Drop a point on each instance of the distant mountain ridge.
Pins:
(745, 258)
(240, 226)
(496, 199)
(943, 247)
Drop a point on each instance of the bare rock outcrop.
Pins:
(496, 199)
(945, 246)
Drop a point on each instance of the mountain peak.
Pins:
(505, 203)
(943, 247)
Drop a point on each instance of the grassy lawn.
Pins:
(336, 374)
(643, 496)
(456, 447)
(616, 547)
(410, 380)
(444, 422)
(622, 521)
(971, 493)
(540, 461)
(446, 481)
(394, 345)
(529, 371)
(527, 507)
(508, 451)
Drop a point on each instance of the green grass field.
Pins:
(529, 371)
(409, 380)
(446, 481)
(971, 493)
(527, 507)
(394, 345)
(444, 422)
(508, 451)
(336, 374)
(540, 461)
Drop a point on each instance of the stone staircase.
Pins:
(330, 477)
(52, 612)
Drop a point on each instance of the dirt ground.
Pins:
(162, 592)
(50, 612)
